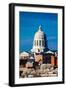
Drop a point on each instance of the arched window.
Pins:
(42, 42)
(35, 42)
(38, 50)
(39, 42)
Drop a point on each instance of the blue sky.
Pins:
(29, 23)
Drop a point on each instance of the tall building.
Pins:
(39, 41)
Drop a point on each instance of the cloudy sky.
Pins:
(29, 23)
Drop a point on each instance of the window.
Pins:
(35, 42)
(39, 42)
(42, 42)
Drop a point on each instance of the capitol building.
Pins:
(39, 57)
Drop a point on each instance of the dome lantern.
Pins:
(40, 28)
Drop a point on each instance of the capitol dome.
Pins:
(38, 42)
(39, 34)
